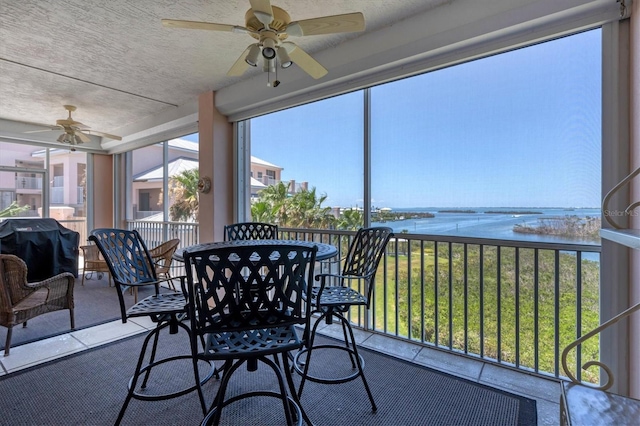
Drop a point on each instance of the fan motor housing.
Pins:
(279, 22)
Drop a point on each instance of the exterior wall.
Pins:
(103, 205)
(634, 329)
(70, 163)
(257, 169)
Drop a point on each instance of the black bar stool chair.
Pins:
(335, 296)
(131, 266)
(246, 301)
(250, 231)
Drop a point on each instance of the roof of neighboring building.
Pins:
(176, 167)
(255, 183)
(256, 160)
(184, 144)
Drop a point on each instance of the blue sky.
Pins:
(520, 129)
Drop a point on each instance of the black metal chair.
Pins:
(131, 266)
(250, 231)
(246, 316)
(334, 298)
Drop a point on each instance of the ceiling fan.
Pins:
(74, 132)
(271, 26)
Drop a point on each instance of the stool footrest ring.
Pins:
(297, 411)
(298, 365)
(160, 397)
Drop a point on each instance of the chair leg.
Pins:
(292, 387)
(291, 404)
(350, 347)
(359, 361)
(283, 390)
(346, 343)
(151, 359)
(213, 418)
(140, 369)
(73, 320)
(311, 339)
(7, 344)
(136, 374)
(170, 278)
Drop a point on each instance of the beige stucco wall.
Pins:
(216, 162)
(103, 205)
(635, 196)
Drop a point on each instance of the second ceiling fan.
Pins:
(271, 26)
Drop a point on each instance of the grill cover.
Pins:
(47, 247)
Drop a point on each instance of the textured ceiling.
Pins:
(118, 64)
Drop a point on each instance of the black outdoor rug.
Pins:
(88, 389)
(95, 303)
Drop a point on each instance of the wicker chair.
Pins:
(162, 256)
(93, 263)
(334, 298)
(20, 301)
(250, 231)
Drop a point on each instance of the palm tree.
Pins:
(350, 220)
(303, 209)
(262, 211)
(307, 210)
(183, 188)
(275, 199)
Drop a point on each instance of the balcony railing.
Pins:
(157, 232)
(57, 195)
(26, 182)
(513, 303)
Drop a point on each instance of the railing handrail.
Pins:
(550, 245)
(160, 222)
(586, 365)
(421, 296)
(616, 188)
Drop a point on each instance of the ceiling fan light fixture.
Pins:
(62, 138)
(283, 57)
(269, 49)
(252, 56)
(269, 65)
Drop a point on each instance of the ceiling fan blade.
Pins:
(50, 128)
(102, 134)
(84, 138)
(305, 61)
(195, 25)
(263, 11)
(240, 65)
(346, 23)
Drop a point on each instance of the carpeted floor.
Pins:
(89, 388)
(95, 303)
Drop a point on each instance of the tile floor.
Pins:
(546, 392)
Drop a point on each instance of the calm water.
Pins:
(484, 225)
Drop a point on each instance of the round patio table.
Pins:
(325, 251)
